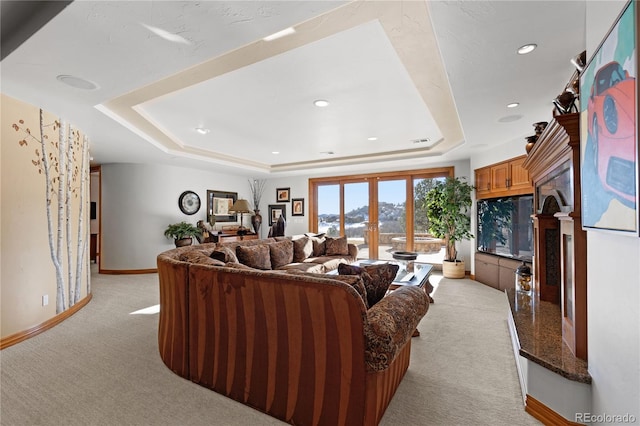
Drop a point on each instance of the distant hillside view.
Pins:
(391, 219)
(391, 216)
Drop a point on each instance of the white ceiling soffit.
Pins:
(377, 63)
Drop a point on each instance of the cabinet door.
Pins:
(519, 176)
(483, 181)
(499, 176)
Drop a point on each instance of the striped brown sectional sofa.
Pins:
(301, 347)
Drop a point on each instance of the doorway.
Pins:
(95, 223)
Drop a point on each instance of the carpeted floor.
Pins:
(101, 367)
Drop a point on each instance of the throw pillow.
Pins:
(281, 253)
(257, 256)
(302, 248)
(319, 246)
(354, 281)
(337, 246)
(197, 256)
(224, 254)
(357, 283)
(376, 278)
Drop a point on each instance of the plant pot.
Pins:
(453, 269)
(183, 242)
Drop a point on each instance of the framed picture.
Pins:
(282, 195)
(297, 207)
(275, 211)
(609, 129)
(218, 205)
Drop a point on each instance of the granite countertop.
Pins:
(539, 328)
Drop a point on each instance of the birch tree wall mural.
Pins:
(61, 155)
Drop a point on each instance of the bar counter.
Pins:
(539, 330)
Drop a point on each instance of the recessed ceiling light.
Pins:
(372, 138)
(321, 103)
(202, 130)
(279, 34)
(275, 152)
(513, 104)
(77, 82)
(527, 48)
(166, 34)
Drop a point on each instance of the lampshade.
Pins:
(241, 206)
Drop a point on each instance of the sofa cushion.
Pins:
(302, 248)
(376, 278)
(198, 256)
(336, 246)
(330, 262)
(281, 253)
(224, 254)
(316, 268)
(257, 256)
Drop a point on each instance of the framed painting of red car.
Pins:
(609, 129)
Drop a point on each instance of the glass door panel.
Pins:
(356, 216)
(429, 249)
(329, 209)
(392, 218)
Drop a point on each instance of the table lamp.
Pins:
(241, 206)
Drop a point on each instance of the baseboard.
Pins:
(21, 336)
(127, 271)
(545, 414)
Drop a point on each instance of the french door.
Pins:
(379, 213)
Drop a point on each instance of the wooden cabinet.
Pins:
(560, 269)
(495, 271)
(503, 179)
(483, 182)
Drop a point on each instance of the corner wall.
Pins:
(140, 200)
(613, 289)
(27, 270)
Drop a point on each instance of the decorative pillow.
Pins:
(257, 256)
(197, 256)
(224, 254)
(302, 248)
(281, 253)
(354, 281)
(319, 246)
(337, 246)
(376, 278)
(357, 283)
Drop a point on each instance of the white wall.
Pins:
(140, 200)
(613, 297)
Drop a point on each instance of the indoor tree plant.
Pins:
(447, 206)
(182, 233)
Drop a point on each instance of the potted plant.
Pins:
(447, 206)
(182, 233)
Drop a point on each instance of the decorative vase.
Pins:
(256, 221)
(531, 141)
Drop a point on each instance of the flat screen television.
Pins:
(504, 226)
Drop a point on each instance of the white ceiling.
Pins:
(396, 70)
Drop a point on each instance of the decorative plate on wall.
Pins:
(189, 202)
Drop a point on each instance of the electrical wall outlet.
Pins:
(45, 300)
